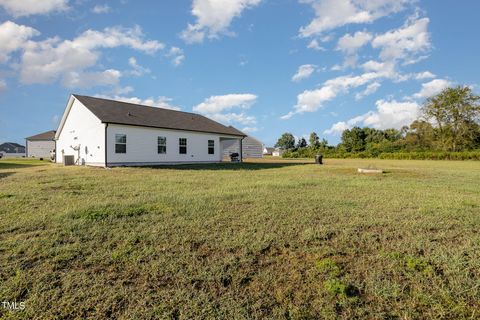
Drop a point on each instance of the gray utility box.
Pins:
(68, 160)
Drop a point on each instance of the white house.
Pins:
(101, 132)
(278, 152)
(251, 147)
(268, 151)
(41, 145)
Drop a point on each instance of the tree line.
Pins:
(448, 127)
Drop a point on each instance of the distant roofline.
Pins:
(33, 138)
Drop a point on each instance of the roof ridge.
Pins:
(137, 104)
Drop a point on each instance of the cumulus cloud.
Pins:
(404, 43)
(160, 102)
(69, 60)
(137, 70)
(91, 79)
(249, 129)
(351, 43)
(389, 114)
(424, 75)
(99, 9)
(432, 88)
(371, 89)
(330, 14)
(304, 72)
(13, 37)
(215, 104)
(312, 100)
(220, 108)
(315, 45)
(19, 8)
(214, 18)
(176, 56)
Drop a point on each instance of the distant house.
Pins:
(252, 148)
(268, 151)
(278, 152)
(41, 145)
(12, 147)
(101, 132)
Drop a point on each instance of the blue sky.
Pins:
(263, 66)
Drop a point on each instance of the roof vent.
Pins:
(129, 114)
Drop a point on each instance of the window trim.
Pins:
(164, 145)
(211, 148)
(117, 135)
(180, 145)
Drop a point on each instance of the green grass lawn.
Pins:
(281, 240)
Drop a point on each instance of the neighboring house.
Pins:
(252, 148)
(41, 145)
(11, 148)
(277, 152)
(268, 151)
(100, 132)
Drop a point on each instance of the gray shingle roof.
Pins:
(117, 112)
(49, 135)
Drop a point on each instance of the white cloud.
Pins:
(350, 44)
(330, 14)
(389, 114)
(19, 8)
(160, 102)
(371, 89)
(216, 104)
(67, 60)
(219, 108)
(386, 69)
(304, 71)
(91, 79)
(432, 88)
(312, 100)
(315, 45)
(249, 129)
(3, 85)
(99, 9)
(424, 75)
(176, 55)
(13, 37)
(137, 70)
(404, 43)
(241, 118)
(214, 18)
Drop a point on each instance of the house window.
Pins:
(162, 145)
(182, 145)
(211, 146)
(120, 143)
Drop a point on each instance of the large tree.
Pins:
(455, 113)
(314, 140)
(286, 141)
(302, 143)
(353, 140)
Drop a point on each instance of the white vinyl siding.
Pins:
(81, 128)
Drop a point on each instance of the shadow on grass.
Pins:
(5, 174)
(229, 166)
(18, 164)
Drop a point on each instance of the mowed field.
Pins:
(281, 240)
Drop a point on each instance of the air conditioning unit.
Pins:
(68, 160)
